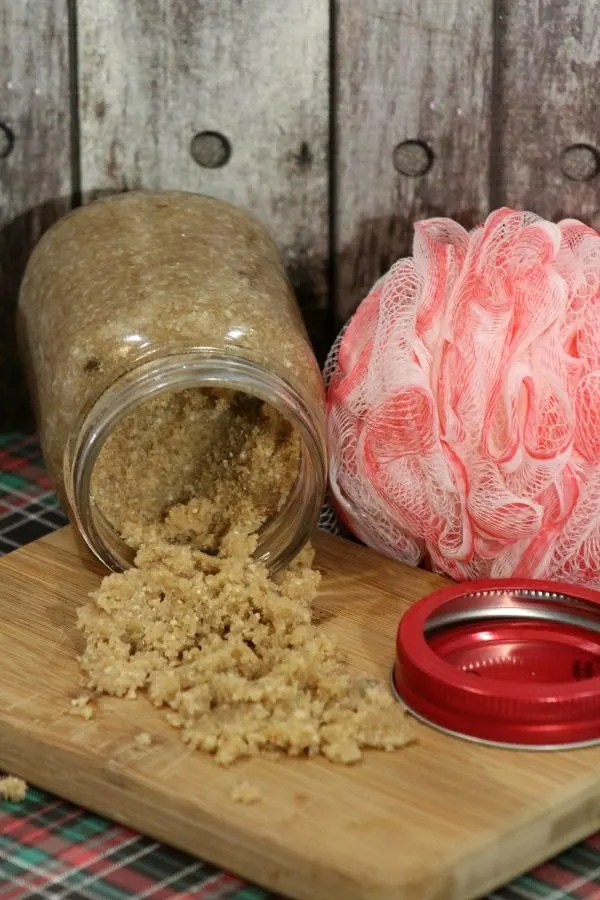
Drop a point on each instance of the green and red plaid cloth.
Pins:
(52, 850)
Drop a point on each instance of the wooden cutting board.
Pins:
(442, 820)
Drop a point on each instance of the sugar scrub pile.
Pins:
(198, 625)
(464, 402)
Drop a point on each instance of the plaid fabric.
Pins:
(28, 508)
(52, 849)
(49, 848)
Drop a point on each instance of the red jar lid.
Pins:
(509, 662)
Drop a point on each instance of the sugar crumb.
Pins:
(246, 793)
(80, 707)
(12, 789)
(143, 739)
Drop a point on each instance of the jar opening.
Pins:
(281, 536)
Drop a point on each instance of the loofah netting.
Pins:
(464, 402)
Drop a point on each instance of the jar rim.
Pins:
(283, 536)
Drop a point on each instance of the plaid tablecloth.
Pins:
(52, 849)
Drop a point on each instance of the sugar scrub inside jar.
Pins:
(194, 466)
(173, 380)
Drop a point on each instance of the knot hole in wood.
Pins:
(413, 158)
(7, 140)
(210, 149)
(580, 162)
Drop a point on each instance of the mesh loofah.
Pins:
(464, 402)
(329, 520)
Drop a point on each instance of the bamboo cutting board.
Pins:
(441, 820)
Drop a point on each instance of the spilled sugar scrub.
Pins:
(198, 625)
(12, 789)
(246, 793)
(233, 656)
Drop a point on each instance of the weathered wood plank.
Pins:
(35, 160)
(550, 51)
(154, 73)
(417, 70)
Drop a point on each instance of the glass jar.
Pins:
(143, 293)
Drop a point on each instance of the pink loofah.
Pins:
(464, 402)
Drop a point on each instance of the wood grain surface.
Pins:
(155, 73)
(417, 70)
(35, 160)
(496, 91)
(441, 820)
(549, 53)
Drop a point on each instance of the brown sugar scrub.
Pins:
(141, 293)
(246, 793)
(232, 654)
(148, 323)
(195, 463)
(12, 789)
(199, 625)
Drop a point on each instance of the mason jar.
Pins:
(144, 293)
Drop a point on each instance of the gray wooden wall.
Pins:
(337, 122)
